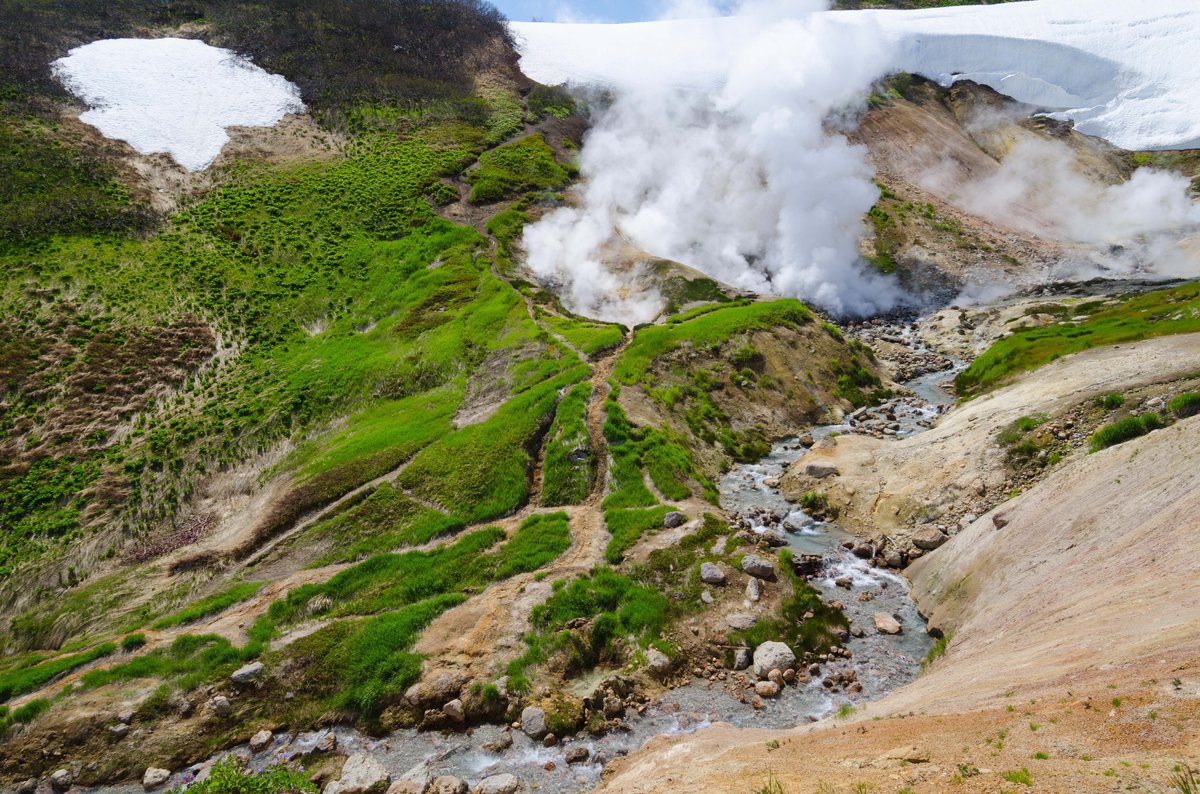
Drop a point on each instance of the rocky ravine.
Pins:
(1073, 608)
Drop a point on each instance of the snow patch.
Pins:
(173, 95)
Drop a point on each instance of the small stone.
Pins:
(219, 705)
(740, 621)
(533, 722)
(776, 676)
(929, 539)
(454, 710)
(674, 519)
(247, 674)
(327, 743)
(120, 730)
(789, 675)
(741, 658)
(752, 590)
(757, 703)
(155, 777)
(448, 784)
(549, 766)
(500, 743)
(60, 780)
(577, 755)
(125, 715)
(710, 573)
(758, 567)
(706, 597)
(498, 784)
(657, 662)
(820, 471)
(260, 741)
(766, 689)
(856, 631)
(549, 740)
(886, 624)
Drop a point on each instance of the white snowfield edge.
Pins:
(173, 95)
(1124, 70)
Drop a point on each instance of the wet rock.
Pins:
(657, 662)
(753, 591)
(155, 777)
(219, 705)
(806, 441)
(820, 471)
(757, 703)
(843, 582)
(498, 784)
(361, 774)
(454, 710)
(807, 565)
(789, 675)
(549, 740)
(772, 656)
(247, 674)
(771, 482)
(327, 743)
(776, 677)
(533, 722)
(60, 780)
(929, 539)
(674, 519)
(710, 573)
(740, 621)
(260, 741)
(886, 624)
(500, 743)
(774, 538)
(863, 551)
(742, 658)
(758, 567)
(894, 559)
(448, 784)
(766, 689)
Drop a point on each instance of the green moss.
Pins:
(518, 167)
(209, 605)
(627, 528)
(29, 679)
(570, 461)
(1124, 430)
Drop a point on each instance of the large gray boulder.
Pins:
(533, 722)
(772, 656)
(657, 662)
(60, 780)
(361, 774)
(498, 784)
(155, 777)
(711, 573)
(247, 674)
(674, 519)
(758, 567)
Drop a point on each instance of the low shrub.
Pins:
(1124, 430)
(1185, 405)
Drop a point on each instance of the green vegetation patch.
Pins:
(570, 461)
(518, 167)
(801, 635)
(1136, 317)
(231, 775)
(590, 337)
(209, 605)
(627, 528)
(28, 679)
(1123, 430)
(1185, 405)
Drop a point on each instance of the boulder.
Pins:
(710, 573)
(533, 722)
(657, 662)
(219, 705)
(886, 624)
(408, 787)
(929, 539)
(740, 621)
(500, 743)
(28, 786)
(155, 777)
(247, 674)
(120, 730)
(448, 784)
(766, 689)
(772, 656)
(549, 740)
(454, 710)
(820, 471)
(60, 779)
(758, 567)
(578, 755)
(260, 741)
(361, 774)
(674, 519)
(774, 538)
(498, 784)
(753, 591)
(327, 743)
(742, 658)
(440, 689)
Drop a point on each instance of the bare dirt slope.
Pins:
(1075, 628)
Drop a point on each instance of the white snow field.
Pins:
(173, 95)
(1123, 70)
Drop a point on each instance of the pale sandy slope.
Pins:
(1076, 634)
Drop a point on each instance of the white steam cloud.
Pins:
(742, 182)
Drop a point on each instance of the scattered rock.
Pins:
(674, 519)
(219, 705)
(806, 441)
(706, 597)
(820, 471)
(758, 567)
(886, 624)
(155, 777)
(774, 538)
(361, 774)
(910, 754)
(773, 656)
(766, 689)
(125, 715)
(929, 539)
(894, 559)
(577, 755)
(498, 784)
(28, 786)
(711, 574)
(999, 520)
(408, 787)
(448, 784)
(60, 780)
(657, 662)
(549, 740)
(327, 743)
(741, 658)
(120, 730)
(500, 743)
(247, 674)
(260, 741)
(856, 631)
(740, 621)
(454, 710)
(771, 482)
(776, 677)
(789, 675)
(753, 592)
(533, 722)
